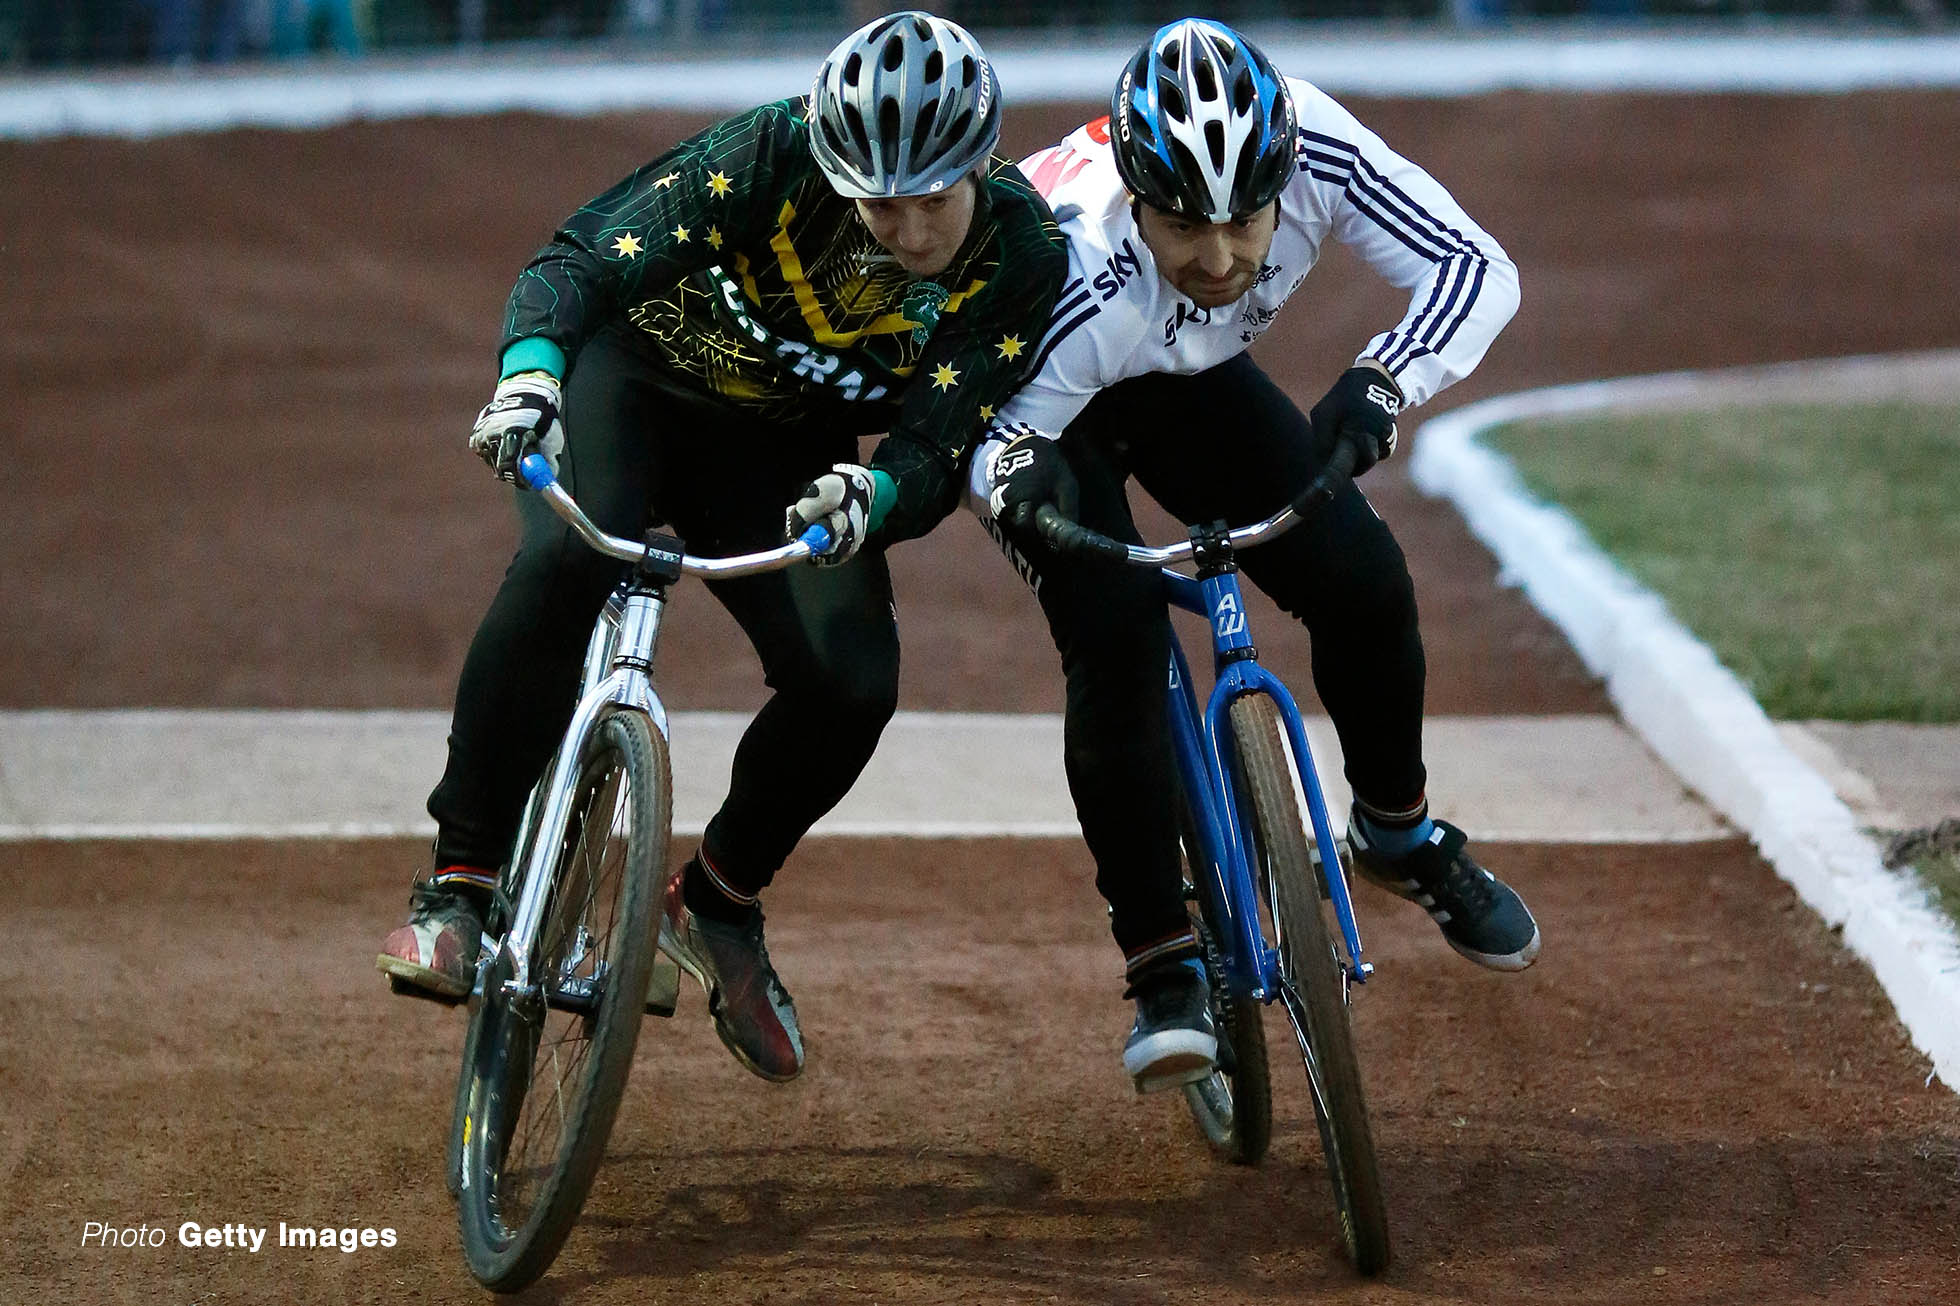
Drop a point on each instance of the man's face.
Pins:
(1210, 263)
(923, 232)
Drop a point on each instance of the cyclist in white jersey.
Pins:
(1192, 213)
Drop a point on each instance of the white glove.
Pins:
(522, 418)
(841, 500)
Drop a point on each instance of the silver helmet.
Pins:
(905, 105)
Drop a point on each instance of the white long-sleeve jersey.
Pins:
(1118, 318)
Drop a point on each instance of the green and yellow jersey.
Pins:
(747, 281)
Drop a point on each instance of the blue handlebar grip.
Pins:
(817, 537)
(535, 471)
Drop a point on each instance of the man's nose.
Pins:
(1215, 254)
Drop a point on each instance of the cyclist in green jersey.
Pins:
(703, 345)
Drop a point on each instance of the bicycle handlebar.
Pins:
(1066, 536)
(534, 473)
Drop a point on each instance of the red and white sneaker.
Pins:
(753, 1012)
(435, 953)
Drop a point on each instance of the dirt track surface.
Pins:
(1697, 1098)
(241, 368)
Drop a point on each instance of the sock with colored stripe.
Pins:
(1392, 838)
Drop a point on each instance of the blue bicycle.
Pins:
(1273, 912)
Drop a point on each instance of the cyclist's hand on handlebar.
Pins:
(521, 418)
(841, 500)
(1361, 410)
(1028, 472)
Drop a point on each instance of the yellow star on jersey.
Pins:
(986, 412)
(944, 377)
(680, 235)
(1009, 346)
(627, 246)
(718, 183)
(714, 237)
(662, 183)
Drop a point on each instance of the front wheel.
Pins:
(548, 1067)
(1313, 985)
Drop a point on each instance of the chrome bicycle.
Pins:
(569, 962)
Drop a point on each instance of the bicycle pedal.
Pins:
(402, 988)
(664, 986)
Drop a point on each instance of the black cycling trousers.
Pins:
(827, 636)
(1223, 444)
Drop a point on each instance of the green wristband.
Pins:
(884, 494)
(533, 354)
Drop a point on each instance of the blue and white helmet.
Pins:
(1201, 124)
(905, 105)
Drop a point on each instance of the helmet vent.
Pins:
(922, 129)
(1243, 92)
(852, 67)
(969, 72)
(935, 67)
(890, 129)
(1172, 99)
(1215, 143)
(1171, 54)
(1205, 79)
(961, 125)
(893, 54)
(859, 145)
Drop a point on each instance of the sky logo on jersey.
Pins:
(1187, 315)
(1117, 271)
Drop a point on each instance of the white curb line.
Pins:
(1691, 710)
(1033, 68)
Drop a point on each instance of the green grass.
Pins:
(1815, 549)
(1940, 873)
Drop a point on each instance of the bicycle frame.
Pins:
(617, 676)
(1205, 765)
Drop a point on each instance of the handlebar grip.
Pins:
(817, 536)
(534, 471)
(1065, 536)
(1339, 468)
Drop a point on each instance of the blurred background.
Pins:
(58, 33)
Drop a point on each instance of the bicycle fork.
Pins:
(1200, 745)
(618, 660)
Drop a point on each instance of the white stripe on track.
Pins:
(1350, 61)
(152, 774)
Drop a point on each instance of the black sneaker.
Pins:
(1481, 916)
(1174, 1041)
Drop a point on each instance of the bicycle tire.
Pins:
(1233, 1106)
(516, 1211)
(1313, 984)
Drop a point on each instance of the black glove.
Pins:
(522, 418)
(1025, 473)
(1360, 409)
(841, 500)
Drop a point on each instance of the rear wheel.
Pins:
(548, 1068)
(1233, 1106)
(1313, 983)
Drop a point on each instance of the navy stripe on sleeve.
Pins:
(1057, 334)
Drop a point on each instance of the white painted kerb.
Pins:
(1691, 710)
